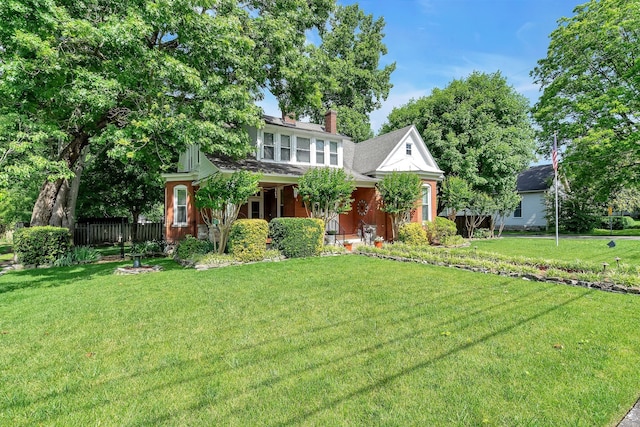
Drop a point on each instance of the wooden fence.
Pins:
(97, 234)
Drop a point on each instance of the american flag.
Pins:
(554, 153)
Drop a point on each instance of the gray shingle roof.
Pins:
(313, 127)
(272, 168)
(536, 178)
(371, 153)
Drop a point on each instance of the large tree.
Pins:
(114, 188)
(476, 128)
(143, 78)
(348, 69)
(591, 95)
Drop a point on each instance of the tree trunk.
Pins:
(134, 226)
(56, 203)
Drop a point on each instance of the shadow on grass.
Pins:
(60, 276)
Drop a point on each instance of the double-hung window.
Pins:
(319, 152)
(426, 203)
(303, 150)
(268, 147)
(408, 148)
(333, 153)
(180, 205)
(285, 148)
(517, 213)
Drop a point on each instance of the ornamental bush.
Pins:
(248, 239)
(41, 245)
(297, 237)
(617, 222)
(412, 233)
(190, 246)
(439, 229)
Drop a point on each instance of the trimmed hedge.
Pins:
(248, 239)
(41, 245)
(440, 229)
(297, 237)
(617, 222)
(412, 233)
(190, 246)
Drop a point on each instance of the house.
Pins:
(532, 186)
(284, 150)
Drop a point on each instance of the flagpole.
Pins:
(554, 156)
(556, 185)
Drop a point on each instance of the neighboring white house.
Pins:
(533, 184)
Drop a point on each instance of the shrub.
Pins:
(455, 240)
(412, 234)
(78, 255)
(439, 229)
(190, 246)
(297, 237)
(248, 239)
(617, 222)
(41, 245)
(482, 233)
(150, 247)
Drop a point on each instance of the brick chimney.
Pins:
(289, 118)
(330, 122)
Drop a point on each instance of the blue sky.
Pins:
(433, 42)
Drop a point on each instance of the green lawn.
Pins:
(324, 341)
(568, 249)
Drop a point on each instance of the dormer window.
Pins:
(285, 148)
(303, 150)
(408, 148)
(333, 153)
(268, 147)
(319, 152)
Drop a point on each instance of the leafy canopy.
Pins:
(219, 199)
(326, 192)
(399, 193)
(476, 128)
(348, 69)
(591, 95)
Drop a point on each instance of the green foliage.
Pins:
(617, 222)
(189, 247)
(452, 241)
(482, 233)
(577, 210)
(297, 237)
(41, 245)
(439, 229)
(477, 128)
(144, 80)
(150, 247)
(78, 255)
(347, 70)
(220, 197)
(248, 239)
(413, 234)
(399, 193)
(113, 187)
(326, 192)
(590, 96)
(455, 195)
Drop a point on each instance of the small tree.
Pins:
(480, 206)
(505, 204)
(219, 199)
(326, 192)
(399, 193)
(455, 195)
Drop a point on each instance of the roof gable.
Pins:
(388, 153)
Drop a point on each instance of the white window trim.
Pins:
(175, 206)
(429, 190)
